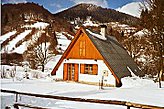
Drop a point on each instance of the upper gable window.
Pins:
(82, 49)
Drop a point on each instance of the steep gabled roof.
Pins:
(115, 55)
(67, 50)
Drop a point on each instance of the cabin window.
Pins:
(88, 69)
(91, 69)
(82, 48)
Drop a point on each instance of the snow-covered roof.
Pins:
(96, 35)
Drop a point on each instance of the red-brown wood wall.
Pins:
(90, 50)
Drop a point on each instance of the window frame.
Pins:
(90, 69)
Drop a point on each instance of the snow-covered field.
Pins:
(134, 89)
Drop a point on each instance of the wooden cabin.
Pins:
(93, 56)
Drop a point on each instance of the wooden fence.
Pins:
(113, 102)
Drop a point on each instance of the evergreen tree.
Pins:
(152, 18)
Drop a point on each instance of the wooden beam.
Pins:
(114, 102)
(28, 106)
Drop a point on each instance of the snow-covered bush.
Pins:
(8, 72)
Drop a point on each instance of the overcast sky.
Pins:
(58, 5)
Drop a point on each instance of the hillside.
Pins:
(25, 28)
(21, 25)
(99, 14)
(15, 15)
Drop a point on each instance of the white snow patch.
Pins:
(131, 9)
(52, 63)
(11, 45)
(96, 35)
(133, 75)
(90, 23)
(22, 48)
(141, 33)
(137, 82)
(63, 42)
(39, 25)
(6, 36)
(143, 58)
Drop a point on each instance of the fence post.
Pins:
(102, 82)
(16, 97)
(128, 107)
(16, 106)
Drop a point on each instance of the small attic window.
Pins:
(82, 48)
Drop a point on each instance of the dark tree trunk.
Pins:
(161, 63)
(42, 68)
(159, 80)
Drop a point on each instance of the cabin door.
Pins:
(71, 72)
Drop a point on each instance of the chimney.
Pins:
(103, 30)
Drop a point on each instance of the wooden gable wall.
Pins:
(84, 49)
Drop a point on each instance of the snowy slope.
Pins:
(11, 46)
(12, 43)
(62, 39)
(131, 9)
(7, 35)
(63, 42)
(23, 47)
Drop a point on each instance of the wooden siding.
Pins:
(84, 49)
(95, 69)
(65, 74)
(76, 72)
(82, 68)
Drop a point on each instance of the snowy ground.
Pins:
(134, 89)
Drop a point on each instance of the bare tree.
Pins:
(38, 53)
(152, 17)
